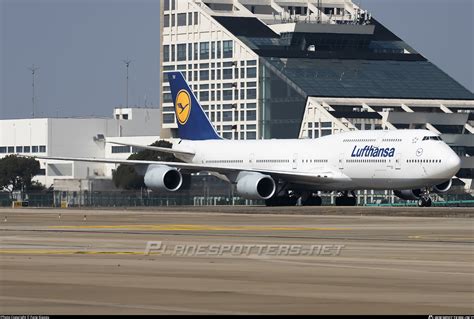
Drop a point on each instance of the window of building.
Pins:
(10, 149)
(251, 135)
(251, 115)
(26, 149)
(166, 5)
(120, 149)
(251, 93)
(190, 54)
(167, 98)
(19, 149)
(227, 48)
(227, 74)
(173, 18)
(326, 124)
(251, 72)
(204, 75)
(204, 96)
(218, 45)
(227, 95)
(204, 50)
(227, 116)
(190, 18)
(166, 21)
(251, 62)
(181, 19)
(3, 149)
(166, 53)
(196, 51)
(325, 132)
(251, 105)
(173, 52)
(196, 17)
(168, 118)
(213, 50)
(181, 52)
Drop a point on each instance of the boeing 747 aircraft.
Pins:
(413, 163)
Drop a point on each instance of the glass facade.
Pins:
(371, 79)
(282, 106)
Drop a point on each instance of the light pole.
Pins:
(127, 64)
(33, 70)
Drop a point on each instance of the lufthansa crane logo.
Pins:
(183, 106)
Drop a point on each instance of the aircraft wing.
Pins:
(155, 148)
(313, 177)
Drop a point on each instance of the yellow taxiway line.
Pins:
(66, 252)
(171, 227)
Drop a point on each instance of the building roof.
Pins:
(369, 78)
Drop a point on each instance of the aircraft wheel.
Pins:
(424, 202)
(312, 201)
(281, 201)
(346, 201)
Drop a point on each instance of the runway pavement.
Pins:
(211, 262)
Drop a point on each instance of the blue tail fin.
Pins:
(193, 123)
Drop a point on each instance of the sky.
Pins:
(79, 47)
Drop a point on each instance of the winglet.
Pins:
(193, 123)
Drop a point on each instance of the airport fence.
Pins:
(150, 199)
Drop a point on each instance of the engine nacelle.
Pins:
(256, 186)
(443, 187)
(408, 194)
(162, 177)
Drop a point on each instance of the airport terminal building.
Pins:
(305, 69)
(79, 137)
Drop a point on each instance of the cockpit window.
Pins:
(432, 138)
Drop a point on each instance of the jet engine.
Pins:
(162, 177)
(408, 194)
(443, 187)
(256, 186)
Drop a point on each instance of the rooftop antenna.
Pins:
(127, 64)
(33, 70)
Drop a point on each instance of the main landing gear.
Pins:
(292, 198)
(281, 201)
(345, 200)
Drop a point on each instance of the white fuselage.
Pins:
(399, 159)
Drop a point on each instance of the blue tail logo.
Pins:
(193, 123)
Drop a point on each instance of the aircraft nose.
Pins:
(453, 162)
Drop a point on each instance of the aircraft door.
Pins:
(252, 159)
(295, 161)
(398, 161)
(341, 161)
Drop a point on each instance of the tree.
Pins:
(16, 173)
(126, 176)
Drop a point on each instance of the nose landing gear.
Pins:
(425, 199)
